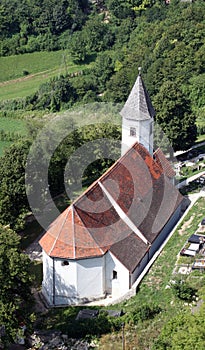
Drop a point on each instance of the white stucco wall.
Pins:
(127, 140)
(77, 282)
(90, 278)
(47, 285)
(144, 134)
(120, 285)
(65, 282)
(59, 281)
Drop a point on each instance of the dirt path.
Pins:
(27, 77)
(34, 251)
(44, 74)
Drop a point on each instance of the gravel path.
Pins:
(34, 251)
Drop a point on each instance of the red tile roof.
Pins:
(125, 251)
(138, 190)
(67, 237)
(164, 164)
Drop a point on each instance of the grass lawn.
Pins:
(41, 66)
(200, 138)
(13, 67)
(153, 289)
(13, 125)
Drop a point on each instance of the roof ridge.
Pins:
(136, 147)
(73, 232)
(57, 237)
(109, 170)
(119, 211)
(88, 232)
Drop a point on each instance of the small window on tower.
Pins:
(114, 275)
(65, 263)
(132, 131)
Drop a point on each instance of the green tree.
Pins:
(98, 35)
(77, 47)
(53, 95)
(197, 91)
(183, 290)
(119, 86)
(103, 69)
(15, 281)
(120, 9)
(184, 331)
(13, 199)
(86, 86)
(175, 116)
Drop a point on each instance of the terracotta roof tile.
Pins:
(164, 164)
(67, 237)
(93, 224)
(129, 251)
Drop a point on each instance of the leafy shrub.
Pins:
(87, 327)
(144, 312)
(182, 290)
(25, 72)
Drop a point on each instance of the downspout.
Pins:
(54, 282)
(130, 280)
(148, 253)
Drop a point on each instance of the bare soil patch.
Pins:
(186, 225)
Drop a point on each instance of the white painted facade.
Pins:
(90, 278)
(67, 282)
(76, 281)
(116, 276)
(83, 280)
(137, 130)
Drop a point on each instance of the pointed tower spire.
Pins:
(138, 114)
(138, 105)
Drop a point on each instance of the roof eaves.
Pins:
(91, 236)
(57, 237)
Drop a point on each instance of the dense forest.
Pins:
(167, 41)
(115, 37)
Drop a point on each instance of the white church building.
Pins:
(102, 242)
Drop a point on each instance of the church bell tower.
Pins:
(138, 118)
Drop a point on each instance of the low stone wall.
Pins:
(190, 179)
(41, 340)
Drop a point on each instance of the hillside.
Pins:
(166, 41)
(22, 75)
(56, 57)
